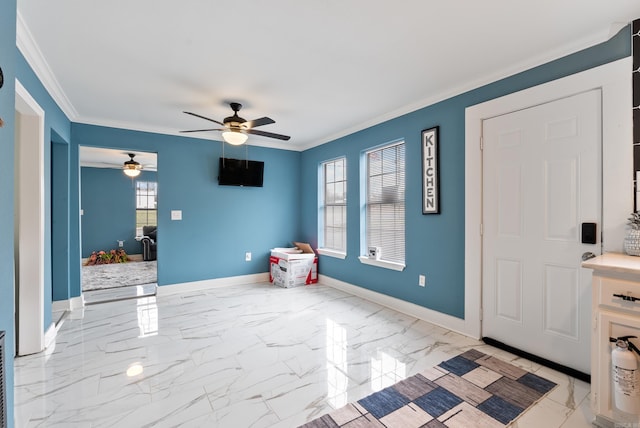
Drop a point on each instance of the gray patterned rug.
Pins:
(99, 277)
(472, 390)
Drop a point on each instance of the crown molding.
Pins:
(561, 51)
(31, 52)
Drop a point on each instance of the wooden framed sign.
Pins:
(430, 172)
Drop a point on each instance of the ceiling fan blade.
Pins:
(267, 134)
(204, 117)
(258, 122)
(204, 130)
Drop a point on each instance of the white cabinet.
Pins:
(616, 284)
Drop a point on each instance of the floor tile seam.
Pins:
(572, 411)
(564, 404)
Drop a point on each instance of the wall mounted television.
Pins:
(240, 172)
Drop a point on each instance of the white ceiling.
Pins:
(321, 69)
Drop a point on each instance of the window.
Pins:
(333, 207)
(146, 205)
(385, 211)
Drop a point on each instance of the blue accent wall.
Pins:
(434, 243)
(219, 223)
(108, 203)
(7, 144)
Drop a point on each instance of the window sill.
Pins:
(381, 263)
(332, 253)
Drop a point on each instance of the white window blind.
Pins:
(334, 205)
(385, 201)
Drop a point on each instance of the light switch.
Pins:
(176, 214)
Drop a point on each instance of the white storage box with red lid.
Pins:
(291, 267)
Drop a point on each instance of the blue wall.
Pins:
(56, 127)
(59, 220)
(7, 113)
(434, 243)
(219, 223)
(108, 202)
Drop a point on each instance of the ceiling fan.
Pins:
(236, 128)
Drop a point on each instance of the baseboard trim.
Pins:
(434, 317)
(68, 305)
(167, 290)
(50, 335)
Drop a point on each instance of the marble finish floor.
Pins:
(243, 356)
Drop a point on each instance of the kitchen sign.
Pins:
(430, 173)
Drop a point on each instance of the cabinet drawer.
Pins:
(611, 290)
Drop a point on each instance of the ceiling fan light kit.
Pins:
(131, 168)
(237, 129)
(235, 138)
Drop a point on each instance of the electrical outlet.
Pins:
(247, 257)
(422, 281)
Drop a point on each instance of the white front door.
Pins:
(541, 181)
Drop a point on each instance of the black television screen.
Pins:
(240, 172)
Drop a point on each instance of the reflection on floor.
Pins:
(244, 356)
(121, 293)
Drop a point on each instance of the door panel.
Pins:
(509, 289)
(541, 180)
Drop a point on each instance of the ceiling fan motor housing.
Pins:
(234, 121)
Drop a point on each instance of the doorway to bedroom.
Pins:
(119, 234)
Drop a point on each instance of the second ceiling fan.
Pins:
(235, 128)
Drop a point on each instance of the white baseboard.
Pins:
(166, 290)
(68, 305)
(50, 335)
(434, 317)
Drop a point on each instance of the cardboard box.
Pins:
(291, 267)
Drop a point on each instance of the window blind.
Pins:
(385, 226)
(335, 205)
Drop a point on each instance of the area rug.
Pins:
(100, 277)
(470, 390)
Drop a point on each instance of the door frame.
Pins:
(30, 226)
(614, 79)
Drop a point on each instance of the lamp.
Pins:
(131, 168)
(235, 138)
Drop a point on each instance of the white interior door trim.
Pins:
(30, 222)
(614, 79)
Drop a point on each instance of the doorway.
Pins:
(29, 235)
(613, 80)
(541, 181)
(118, 225)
